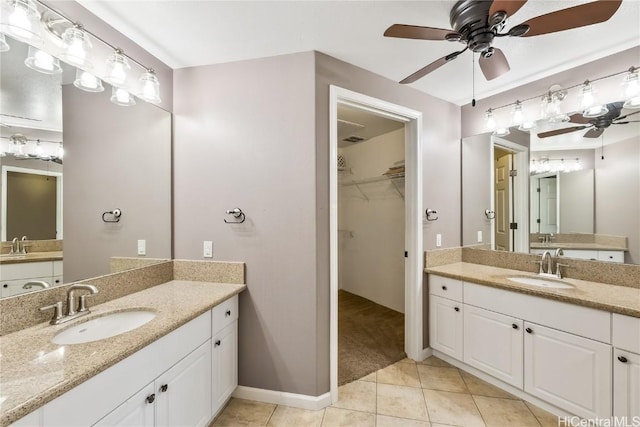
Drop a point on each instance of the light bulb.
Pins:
(490, 120)
(121, 97)
(60, 153)
(42, 62)
(117, 67)
(631, 86)
(502, 132)
(87, 81)
(586, 95)
(21, 20)
(562, 166)
(76, 44)
(39, 149)
(577, 166)
(517, 117)
(150, 87)
(526, 126)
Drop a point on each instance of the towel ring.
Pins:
(115, 215)
(489, 214)
(431, 214)
(237, 214)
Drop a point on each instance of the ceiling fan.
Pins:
(596, 125)
(477, 23)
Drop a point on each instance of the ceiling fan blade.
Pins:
(593, 133)
(431, 67)
(579, 119)
(626, 115)
(561, 131)
(572, 17)
(417, 32)
(508, 6)
(625, 122)
(495, 65)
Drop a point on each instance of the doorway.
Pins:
(413, 260)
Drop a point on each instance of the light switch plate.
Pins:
(142, 247)
(438, 240)
(479, 236)
(207, 250)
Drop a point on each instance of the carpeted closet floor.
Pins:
(370, 337)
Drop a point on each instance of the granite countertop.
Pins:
(585, 246)
(31, 257)
(601, 296)
(33, 371)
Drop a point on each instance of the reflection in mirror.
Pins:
(113, 156)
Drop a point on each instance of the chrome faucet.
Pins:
(22, 245)
(72, 313)
(546, 257)
(14, 246)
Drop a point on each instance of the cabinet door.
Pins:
(626, 384)
(569, 371)
(493, 343)
(225, 365)
(445, 326)
(184, 391)
(137, 411)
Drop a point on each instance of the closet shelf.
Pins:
(394, 178)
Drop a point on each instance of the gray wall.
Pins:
(577, 201)
(255, 135)
(618, 194)
(115, 157)
(476, 188)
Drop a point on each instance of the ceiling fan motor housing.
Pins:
(470, 18)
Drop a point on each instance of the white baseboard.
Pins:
(426, 352)
(301, 401)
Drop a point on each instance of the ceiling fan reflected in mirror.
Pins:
(596, 125)
(476, 23)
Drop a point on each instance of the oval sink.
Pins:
(104, 327)
(541, 281)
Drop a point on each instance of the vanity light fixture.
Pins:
(60, 151)
(19, 141)
(4, 46)
(121, 97)
(517, 117)
(577, 166)
(42, 62)
(20, 19)
(588, 104)
(490, 121)
(150, 87)
(551, 104)
(117, 67)
(502, 132)
(39, 150)
(631, 85)
(526, 126)
(87, 81)
(76, 44)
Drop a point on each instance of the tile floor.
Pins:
(430, 393)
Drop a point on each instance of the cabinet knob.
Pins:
(457, 308)
(5, 286)
(622, 359)
(444, 288)
(529, 330)
(151, 398)
(164, 387)
(217, 343)
(228, 313)
(514, 326)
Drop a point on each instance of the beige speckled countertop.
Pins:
(585, 246)
(31, 257)
(33, 371)
(616, 299)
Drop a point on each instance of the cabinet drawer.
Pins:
(611, 256)
(224, 314)
(581, 254)
(584, 321)
(626, 332)
(445, 287)
(57, 268)
(26, 270)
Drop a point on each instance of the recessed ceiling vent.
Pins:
(347, 131)
(353, 139)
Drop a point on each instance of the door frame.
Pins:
(520, 192)
(413, 219)
(3, 197)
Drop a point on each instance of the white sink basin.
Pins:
(541, 281)
(104, 327)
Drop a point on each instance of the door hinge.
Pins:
(406, 254)
(513, 172)
(538, 189)
(538, 220)
(513, 226)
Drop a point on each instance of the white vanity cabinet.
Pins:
(15, 276)
(225, 352)
(445, 316)
(626, 366)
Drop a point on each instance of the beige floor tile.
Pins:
(357, 396)
(241, 412)
(285, 416)
(434, 361)
(407, 360)
(371, 377)
(386, 421)
(399, 374)
(401, 401)
(440, 378)
(545, 418)
(336, 417)
(480, 387)
(456, 409)
(441, 425)
(505, 412)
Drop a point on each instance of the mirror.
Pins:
(584, 191)
(114, 157)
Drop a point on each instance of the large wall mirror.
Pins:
(582, 191)
(68, 157)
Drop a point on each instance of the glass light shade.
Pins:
(20, 19)
(150, 87)
(42, 62)
(631, 85)
(490, 121)
(553, 112)
(4, 46)
(117, 67)
(562, 166)
(577, 166)
(18, 142)
(39, 150)
(60, 152)
(517, 117)
(595, 111)
(526, 126)
(121, 97)
(87, 81)
(588, 103)
(502, 132)
(76, 44)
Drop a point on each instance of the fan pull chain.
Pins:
(602, 147)
(473, 79)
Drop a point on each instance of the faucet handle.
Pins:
(539, 262)
(57, 312)
(558, 271)
(82, 302)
